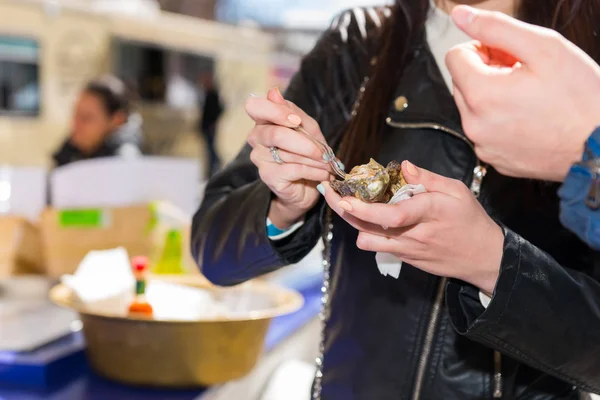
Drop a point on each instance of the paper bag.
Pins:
(20, 247)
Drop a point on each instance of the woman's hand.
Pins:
(294, 181)
(445, 231)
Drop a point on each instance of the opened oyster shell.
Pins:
(371, 183)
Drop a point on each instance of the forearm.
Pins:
(230, 241)
(541, 314)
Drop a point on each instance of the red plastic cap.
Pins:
(140, 263)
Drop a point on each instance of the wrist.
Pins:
(576, 154)
(564, 165)
(284, 215)
(489, 268)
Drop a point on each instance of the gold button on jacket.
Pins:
(401, 103)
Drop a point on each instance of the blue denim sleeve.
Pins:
(580, 195)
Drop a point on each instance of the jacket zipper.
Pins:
(479, 173)
(497, 375)
(480, 169)
(431, 328)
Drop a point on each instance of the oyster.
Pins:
(371, 183)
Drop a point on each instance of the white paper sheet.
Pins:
(114, 182)
(23, 191)
(388, 264)
(22, 331)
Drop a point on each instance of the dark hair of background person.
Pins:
(577, 20)
(113, 93)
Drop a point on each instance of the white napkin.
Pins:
(103, 280)
(406, 192)
(291, 380)
(387, 263)
(172, 301)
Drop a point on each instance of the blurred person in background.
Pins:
(495, 299)
(5, 95)
(212, 109)
(103, 124)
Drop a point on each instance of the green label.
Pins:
(91, 218)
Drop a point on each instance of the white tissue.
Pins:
(406, 192)
(388, 264)
(103, 280)
(183, 303)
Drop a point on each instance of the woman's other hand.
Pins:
(303, 165)
(528, 98)
(445, 231)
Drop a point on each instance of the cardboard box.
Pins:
(68, 235)
(20, 247)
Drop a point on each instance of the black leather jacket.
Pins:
(387, 338)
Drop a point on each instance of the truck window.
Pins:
(161, 75)
(19, 76)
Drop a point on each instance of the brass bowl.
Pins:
(181, 354)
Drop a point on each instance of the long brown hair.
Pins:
(577, 20)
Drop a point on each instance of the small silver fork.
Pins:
(333, 160)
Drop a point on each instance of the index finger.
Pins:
(406, 213)
(264, 111)
(287, 139)
(333, 199)
(502, 32)
(308, 122)
(477, 72)
(466, 66)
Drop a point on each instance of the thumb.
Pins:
(501, 32)
(275, 96)
(432, 182)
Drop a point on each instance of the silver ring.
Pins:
(275, 153)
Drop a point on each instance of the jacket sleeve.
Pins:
(575, 213)
(542, 314)
(229, 239)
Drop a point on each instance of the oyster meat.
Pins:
(371, 183)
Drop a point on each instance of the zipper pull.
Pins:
(497, 375)
(592, 199)
(479, 173)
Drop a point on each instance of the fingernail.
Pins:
(411, 169)
(321, 189)
(326, 157)
(472, 15)
(341, 165)
(294, 119)
(464, 15)
(279, 92)
(345, 206)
